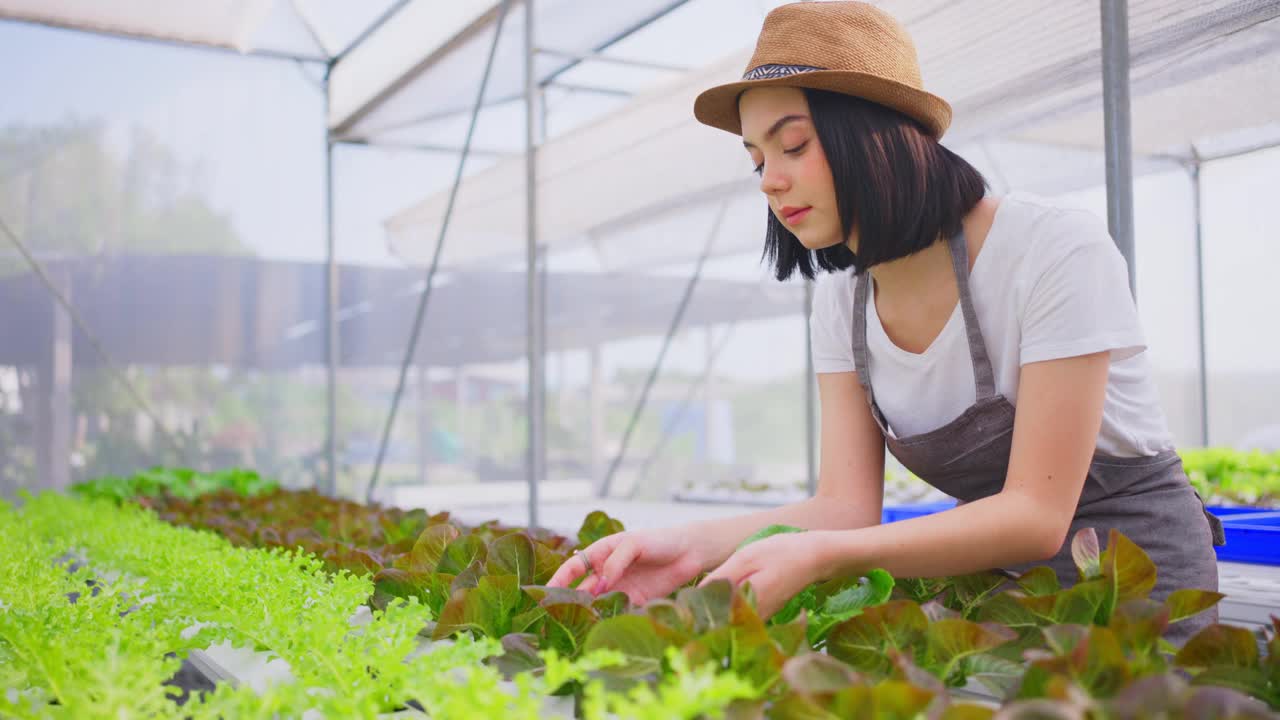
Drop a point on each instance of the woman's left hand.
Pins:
(777, 567)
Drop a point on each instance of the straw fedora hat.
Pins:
(846, 47)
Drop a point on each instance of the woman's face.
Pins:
(794, 175)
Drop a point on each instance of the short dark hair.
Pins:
(893, 180)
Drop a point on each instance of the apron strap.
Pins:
(983, 375)
(861, 361)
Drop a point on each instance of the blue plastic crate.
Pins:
(1223, 512)
(893, 513)
(1252, 537)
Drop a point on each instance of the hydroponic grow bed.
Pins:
(393, 612)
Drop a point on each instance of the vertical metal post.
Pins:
(810, 419)
(421, 313)
(460, 385)
(709, 436)
(1200, 327)
(53, 403)
(595, 405)
(424, 425)
(330, 316)
(1119, 140)
(544, 342)
(536, 344)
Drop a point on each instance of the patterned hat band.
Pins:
(766, 72)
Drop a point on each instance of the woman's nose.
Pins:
(772, 182)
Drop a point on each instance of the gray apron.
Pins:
(1149, 499)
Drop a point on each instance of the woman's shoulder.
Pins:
(1038, 234)
(833, 294)
(1052, 222)
(835, 286)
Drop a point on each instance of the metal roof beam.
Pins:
(434, 28)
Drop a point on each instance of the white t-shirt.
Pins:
(1048, 283)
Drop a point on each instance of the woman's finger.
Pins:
(762, 588)
(728, 570)
(574, 568)
(571, 569)
(616, 564)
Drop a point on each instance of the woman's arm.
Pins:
(1055, 434)
(651, 563)
(850, 478)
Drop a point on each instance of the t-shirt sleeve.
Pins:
(1078, 300)
(830, 324)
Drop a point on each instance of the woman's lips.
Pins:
(794, 215)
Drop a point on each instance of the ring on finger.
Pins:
(586, 561)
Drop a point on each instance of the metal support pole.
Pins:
(709, 389)
(1195, 167)
(595, 405)
(54, 414)
(810, 420)
(424, 424)
(421, 312)
(330, 485)
(535, 309)
(1119, 140)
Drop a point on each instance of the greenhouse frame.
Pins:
(478, 258)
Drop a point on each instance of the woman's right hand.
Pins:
(644, 564)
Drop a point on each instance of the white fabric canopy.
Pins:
(304, 29)
(421, 29)
(606, 171)
(220, 23)
(429, 61)
(1202, 72)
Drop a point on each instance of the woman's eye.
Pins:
(785, 151)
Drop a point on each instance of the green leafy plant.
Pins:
(709, 625)
(1225, 475)
(1228, 657)
(597, 525)
(685, 693)
(768, 532)
(828, 603)
(822, 687)
(409, 554)
(278, 602)
(285, 572)
(1100, 635)
(1167, 695)
(73, 646)
(178, 482)
(884, 639)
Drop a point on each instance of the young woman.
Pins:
(991, 343)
